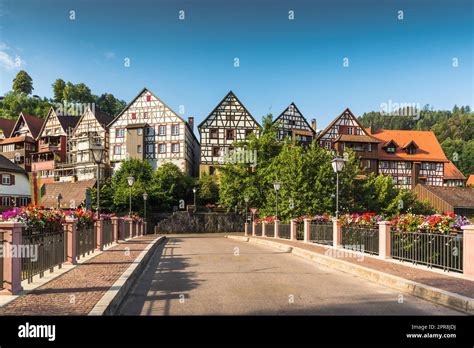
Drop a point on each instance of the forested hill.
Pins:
(454, 130)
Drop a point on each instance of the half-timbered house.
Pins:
(147, 129)
(346, 132)
(292, 124)
(228, 123)
(52, 146)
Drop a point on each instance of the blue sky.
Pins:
(191, 62)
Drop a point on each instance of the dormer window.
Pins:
(411, 150)
(390, 149)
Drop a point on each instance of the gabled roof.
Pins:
(9, 166)
(102, 118)
(70, 191)
(389, 142)
(411, 142)
(346, 111)
(230, 94)
(6, 126)
(458, 197)
(299, 112)
(66, 121)
(470, 180)
(33, 123)
(429, 148)
(452, 172)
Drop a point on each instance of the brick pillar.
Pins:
(307, 227)
(336, 233)
(264, 227)
(130, 225)
(137, 228)
(122, 228)
(115, 226)
(144, 228)
(246, 229)
(253, 228)
(293, 230)
(385, 249)
(12, 233)
(100, 227)
(468, 251)
(277, 223)
(70, 227)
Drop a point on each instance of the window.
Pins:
(134, 115)
(411, 150)
(148, 98)
(216, 151)
(145, 115)
(350, 130)
(140, 131)
(150, 131)
(292, 122)
(248, 132)
(175, 148)
(23, 201)
(368, 164)
(369, 147)
(229, 134)
(390, 149)
(117, 150)
(358, 131)
(214, 134)
(212, 170)
(162, 130)
(139, 149)
(174, 130)
(119, 133)
(150, 148)
(327, 144)
(6, 179)
(162, 148)
(384, 164)
(6, 201)
(407, 165)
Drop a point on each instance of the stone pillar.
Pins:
(137, 228)
(253, 228)
(336, 233)
(277, 223)
(115, 225)
(100, 228)
(385, 241)
(144, 228)
(12, 233)
(246, 229)
(122, 228)
(293, 230)
(307, 226)
(264, 226)
(130, 225)
(468, 251)
(70, 227)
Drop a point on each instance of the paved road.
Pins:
(212, 275)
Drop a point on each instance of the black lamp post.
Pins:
(145, 197)
(338, 165)
(194, 192)
(276, 186)
(97, 153)
(131, 181)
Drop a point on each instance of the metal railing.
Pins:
(361, 239)
(436, 250)
(300, 231)
(321, 233)
(270, 230)
(47, 249)
(107, 232)
(284, 231)
(258, 229)
(86, 239)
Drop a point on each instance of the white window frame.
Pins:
(6, 179)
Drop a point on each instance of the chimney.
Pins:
(313, 124)
(191, 123)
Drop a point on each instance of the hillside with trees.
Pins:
(20, 98)
(454, 130)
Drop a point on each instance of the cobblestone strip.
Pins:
(77, 291)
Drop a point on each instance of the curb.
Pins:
(112, 299)
(426, 292)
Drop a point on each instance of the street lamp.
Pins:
(145, 197)
(276, 186)
(246, 199)
(131, 181)
(338, 165)
(97, 153)
(194, 192)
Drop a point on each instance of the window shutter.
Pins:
(12, 179)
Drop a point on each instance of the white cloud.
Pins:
(7, 60)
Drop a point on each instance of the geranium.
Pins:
(362, 220)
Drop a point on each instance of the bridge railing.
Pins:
(30, 252)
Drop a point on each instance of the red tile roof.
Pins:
(17, 140)
(452, 172)
(6, 126)
(429, 148)
(34, 124)
(470, 180)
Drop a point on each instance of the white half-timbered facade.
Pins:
(292, 124)
(147, 129)
(228, 123)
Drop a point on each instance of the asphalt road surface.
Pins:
(212, 275)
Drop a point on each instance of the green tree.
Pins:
(23, 83)
(58, 89)
(208, 189)
(109, 104)
(14, 103)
